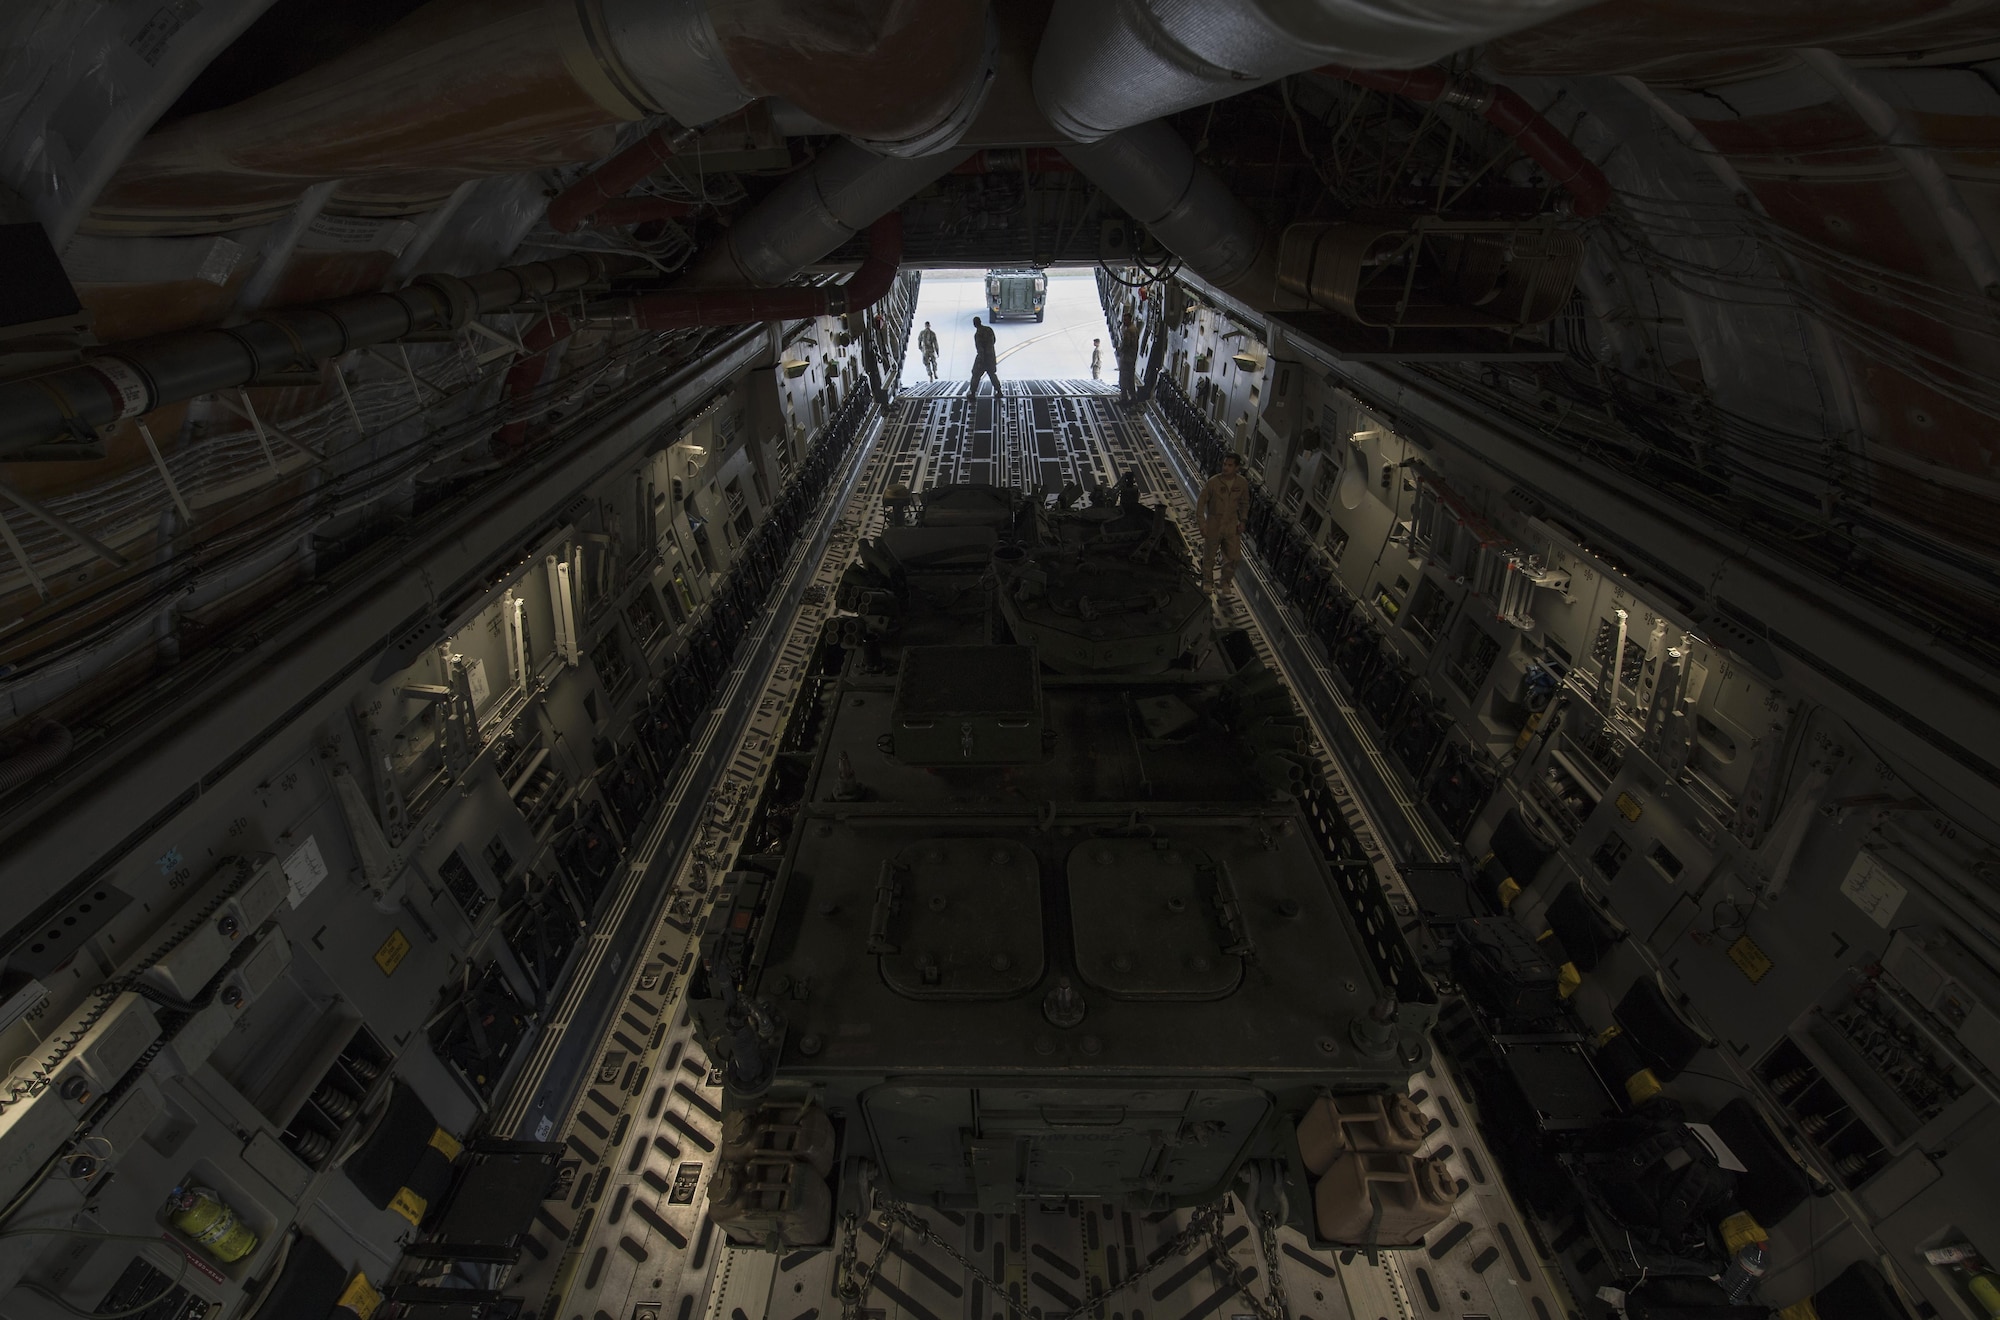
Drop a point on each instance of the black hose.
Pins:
(48, 746)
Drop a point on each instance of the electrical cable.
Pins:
(1142, 284)
(179, 1278)
(1863, 336)
(1749, 436)
(1744, 431)
(422, 451)
(411, 457)
(1947, 628)
(1169, 267)
(34, 1184)
(1754, 226)
(1955, 308)
(1959, 382)
(1395, 516)
(1736, 455)
(1749, 286)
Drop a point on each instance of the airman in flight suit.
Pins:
(1222, 510)
(927, 344)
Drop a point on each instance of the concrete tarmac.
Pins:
(1055, 348)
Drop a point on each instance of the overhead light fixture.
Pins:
(1246, 361)
(794, 367)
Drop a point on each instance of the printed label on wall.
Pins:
(1871, 887)
(1752, 961)
(304, 869)
(390, 956)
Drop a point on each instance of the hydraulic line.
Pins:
(528, 372)
(622, 211)
(597, 191)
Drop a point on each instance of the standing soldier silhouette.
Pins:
(873, 333)
(1096, 359)
(1128, 358)
(983, 360)
(1223, 508)
(928, 346)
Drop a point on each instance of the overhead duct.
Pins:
(904, 77)
(845, 184)
(1151, 173)
(682, 308)
(1108, 66)
(135, 378)
(469, 88)
(845, 190)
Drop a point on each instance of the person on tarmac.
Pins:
(1222, 510)
(984, 361)
(1096, 359)
(927, 344)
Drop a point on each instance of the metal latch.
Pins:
(888, 899)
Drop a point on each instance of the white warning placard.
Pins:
(304, 869)
(1873, 888)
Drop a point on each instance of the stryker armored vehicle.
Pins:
(1016, 293)
(1045, 901)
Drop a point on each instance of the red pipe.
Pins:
(1417, 84)
(682, 309)
(616, 177)
(528, 371)
(624, 211)
(1589, 190)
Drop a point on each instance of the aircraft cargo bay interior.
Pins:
(999, 660)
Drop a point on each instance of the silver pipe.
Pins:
(664, 56)
(1150, 172)
(645, 57)
(1106, 66)
(846, 189)
(472, 93)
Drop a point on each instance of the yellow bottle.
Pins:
(210, 1224)
(1985, 1289)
